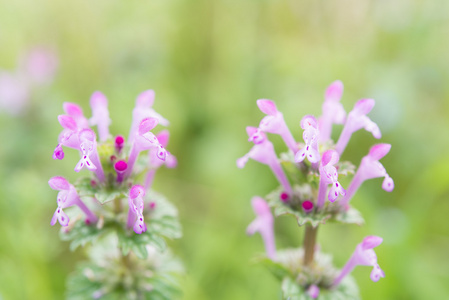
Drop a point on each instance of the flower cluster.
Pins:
(308, 175)
(36, 68)
(117, 198)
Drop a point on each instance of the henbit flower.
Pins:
(310, 136)
(369, 168)
(135, 213)
(143, 110)
(358, 119)
(39, 65)
(14, 93)
(263, 152)
(274, 123)
(100, 114)
(68, 197)
(144, 140)
(363, 255)
(329, 175)
(89, 154)
(333, 111)
(313, 291)
(68, 137)
(155, 161)
(76, 112)
(264, 225)
(307, 206)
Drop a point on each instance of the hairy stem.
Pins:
(309, 244)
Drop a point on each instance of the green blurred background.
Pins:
(208, 62)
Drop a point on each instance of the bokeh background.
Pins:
(208, 62)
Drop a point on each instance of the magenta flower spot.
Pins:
(152, 205)
(274, 123)
(58, 153)
(310, 135)
(363, 255)
(263, 152)
(284, 197)
(333, 111)
(358, 119)
(100, 115)
(135, 213)
(307, 206)
(263, 224)
(120, 167)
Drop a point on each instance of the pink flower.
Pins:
(68, 197)
(135, 213)
(263, 152)
(363, 255)
(264, 225)
(100, 114)
(369, 168)
(333, 111)
(310, 135)
(329, 175)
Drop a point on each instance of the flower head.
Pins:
(135, 213)
(358, 119)
(333, 111)
(274, 123)
(369, 168)
(310, 135)
(363, 255)
(264, 225)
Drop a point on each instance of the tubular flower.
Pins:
(274, 123)
(363, 255)
(263, 224)
(135, 213)
(329, 175)
(369, 168)
(333, 111)
(310, 135)
(67, 197)
(263, 152)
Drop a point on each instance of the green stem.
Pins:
(309, 244)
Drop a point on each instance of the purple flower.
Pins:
(264, 225)
(263, 152)
(313, 291)
(76, 113)
(100, 115)
(40, 65)
(155, 161)
(89, 155)
(363, 255)
(119, 143)
(310, 135)
(357, 119)
(329, 175)
(143, 110)
(274, 123)
(14, 93)
(68, 197)
(144, 140)
(369, 168)
(135, 213)
(333, 111)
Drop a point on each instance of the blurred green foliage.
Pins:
(208, 62)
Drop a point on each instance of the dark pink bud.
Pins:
(284, 197)
(307, 206)
(120, 167)
(119, 143)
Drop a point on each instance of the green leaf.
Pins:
(347, 290)
(104, 196)
(278, 270)
(84, 187)
(163, 220)
(130, 241)
(352, 216)
(81, 234)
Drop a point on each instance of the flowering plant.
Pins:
(125, 219)
(310, 191)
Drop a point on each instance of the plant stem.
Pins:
(309, 244)
(118, 205)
